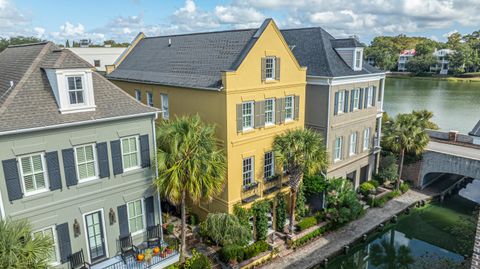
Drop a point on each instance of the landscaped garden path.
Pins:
(333, 242)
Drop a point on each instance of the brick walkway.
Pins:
(315, 252)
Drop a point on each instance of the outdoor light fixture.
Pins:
(76, 228)
(111, 216)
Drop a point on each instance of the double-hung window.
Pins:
(75, 90)
(366, 139)
(34, 176)
(130, 153)
(356, 99)
(269, 165)
(270, 111)
(86, 164)
(50, 233)
(370, 96)
(358, 58)
(353, 144)
(248, 171)
(136, 218)
(270, 68)
(338, 148)
(289, 107)
(138, 95)
(247, 115)
(165, 111)
(149, 98)
(341, 102)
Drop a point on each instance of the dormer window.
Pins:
(75, 90)
(358, 59)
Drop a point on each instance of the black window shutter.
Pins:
(102, 155)
(69, 167)
(123, 220)
(145, 150)
(351, 100)
(149, 210)
(53, 167)
(374, 95)
(345, 106)
(264, 66)
(12, 179)
(116, 157)
(277, 68)
(64, 244)
(335, 104)
(296, 107)
(239, 118)
(279, 107)
(360, 98)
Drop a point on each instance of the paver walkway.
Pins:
(324, 247)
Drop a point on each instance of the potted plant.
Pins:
(148, 256)
(156, 250)
(169, 250)
(163, 253)
(140, 257)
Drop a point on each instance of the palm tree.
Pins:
(300, 151)
(405, 134)
(19, 248)
(425, 117)
(189, 164)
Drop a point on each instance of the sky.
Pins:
(122, 20)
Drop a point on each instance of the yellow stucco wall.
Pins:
(219, 107)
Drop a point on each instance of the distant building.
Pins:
(99, 56)
(442, 65)
(476, 133)
(404, 57)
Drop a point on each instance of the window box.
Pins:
(272, 178)
(250, 186)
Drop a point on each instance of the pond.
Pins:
(455, 105)
(436, 236)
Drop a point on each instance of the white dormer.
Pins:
(351, 52)
(73, 89)
(357, 59)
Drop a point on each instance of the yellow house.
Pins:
(247, 82)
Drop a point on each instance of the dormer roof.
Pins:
(31, 103)
(344, 43)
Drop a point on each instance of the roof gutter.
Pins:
(352, 76)
(78, 123)
(163, 84)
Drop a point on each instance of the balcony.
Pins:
(250, 192)
(160, 260)
(271, 184)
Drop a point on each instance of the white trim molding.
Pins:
(333, 81)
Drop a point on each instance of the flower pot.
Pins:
(140, 257)
(163, 254)
(169, 251)
(156, 250)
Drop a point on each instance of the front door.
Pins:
(95, 236)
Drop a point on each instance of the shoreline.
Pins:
(439, 78)
(331, 244)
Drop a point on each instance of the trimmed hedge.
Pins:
(237, 253)
(308, 237)
(306, 223)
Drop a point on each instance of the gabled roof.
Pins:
(476, 130)
(188, 60)
(30, 103)
(314, 48)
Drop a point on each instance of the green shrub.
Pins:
(281, 212)
(374, 183)
(306, 238)
(225, 229)
(231, 253)
(301, 209)
(255, 249)
(306, 223)
(260, 210)
(404, 187)
(342, 202)
(395, 193)
(197, 261)
(243, 215)
(320, 216)
(193, 219)
(170, 228)
(367, 188)
(313, 185)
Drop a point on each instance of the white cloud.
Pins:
(446, 35)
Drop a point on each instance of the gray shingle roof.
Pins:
(313, 48)
(476, 130)
(31, 102)
(346, 43)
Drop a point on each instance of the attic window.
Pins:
(270, 68)
(75, 90)
(358, 59)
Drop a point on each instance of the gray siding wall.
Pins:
(347, 56)
(316, 108)
(71, 203)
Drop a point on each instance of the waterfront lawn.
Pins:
(432, 224)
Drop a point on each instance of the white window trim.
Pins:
(150, 98)
(272, 164)
(138, 152)
(273, 112)
(142, 202)
(55, 242)
(353, 145)
(356, 96)
(354, 64)
(138, 95)
(162, 96)
(366, 138)
(273, 68)
(292, 108)
(45, 172)
(95, 163)
(252, 171)
(82, 77)
(252, 115)
(369, 96)
(336, 159)
(341, 100)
